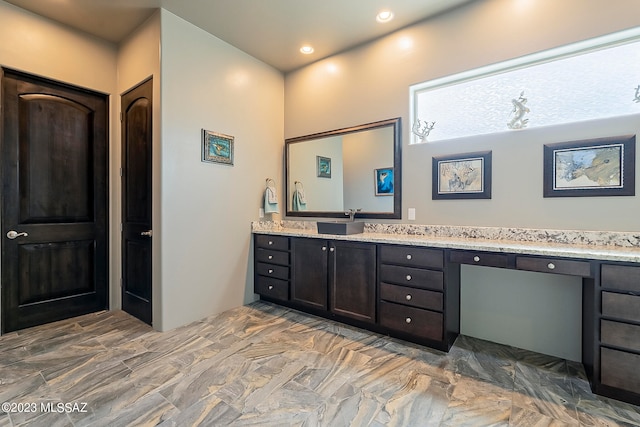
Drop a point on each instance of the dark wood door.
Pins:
(309, 272)
(136, 201)
(54, 201)
(352, 283)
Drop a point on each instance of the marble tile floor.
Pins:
(265, 365)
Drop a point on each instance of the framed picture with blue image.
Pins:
(383, 181)
(323, 165)
(217, 147)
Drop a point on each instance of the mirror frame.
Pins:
(396, 123)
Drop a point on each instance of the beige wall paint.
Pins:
(139, 59)
(321, 193)
(372, 82)
(206, 208)
(39, 46)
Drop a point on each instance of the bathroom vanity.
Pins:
(404, 282)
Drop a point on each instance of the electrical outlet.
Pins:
(411, 214)
(261, 213)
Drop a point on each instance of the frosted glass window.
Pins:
(560, 86)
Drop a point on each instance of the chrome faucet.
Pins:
(352, 213)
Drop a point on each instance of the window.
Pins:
(594, 79)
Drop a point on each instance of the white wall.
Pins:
(372, 82)
(38, 46)
(362, 151)
(139, 59)
(321, 193)
(206, 208)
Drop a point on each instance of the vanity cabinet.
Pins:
(412, 295)
(334, 276)
(620, 332)
(272, 268)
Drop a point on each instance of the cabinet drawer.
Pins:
(275, 271)
(411, 256)
(273, 288)
(410, 296)
(273, 257)
(417, 277)
(620, 369)
(551, 265)
(621, 277)
(621, 306)
(620, 335)
(479, 258)
(410, 320)
(280, 243)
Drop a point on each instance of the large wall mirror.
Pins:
(359, 167)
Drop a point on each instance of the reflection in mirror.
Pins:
(354, 168)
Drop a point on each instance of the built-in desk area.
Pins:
(404, 281)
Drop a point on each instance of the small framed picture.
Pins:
(596, 167)
(462, 176)
(383, 181)
(217, 147)
(323, 166)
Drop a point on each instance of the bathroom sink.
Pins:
(340, 227)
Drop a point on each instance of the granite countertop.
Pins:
(600, 245)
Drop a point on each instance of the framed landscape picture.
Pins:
(462, 176)
(596, 167)
(217, 147)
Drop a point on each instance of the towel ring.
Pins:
(298, 182)
(270, 180)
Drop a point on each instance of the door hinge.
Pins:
(120, 172)
(121, 228)
(121, 116)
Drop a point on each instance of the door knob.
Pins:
(13, 234)
(147, 233)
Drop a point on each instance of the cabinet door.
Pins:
(309, 273)
(353, 280)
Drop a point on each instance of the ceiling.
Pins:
(270, 30)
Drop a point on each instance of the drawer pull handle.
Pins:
(270, 242)
(270, 271)
(324, 248)
(409, 256)
(408, 277)
(332, 249)
(408, 297)
(270, 287)
(551, 266)
(476, 258)
(408, 320)
(270, 256)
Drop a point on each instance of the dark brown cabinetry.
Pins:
(619, 333)
(336, 276)
(413, 295)
(272, 271)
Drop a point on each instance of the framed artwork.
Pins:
(323, 166)
(217, 147)
(596, 167)
(383, 181)
(462, 176)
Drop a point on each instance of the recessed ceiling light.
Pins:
(384, 16)
(306, 49)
